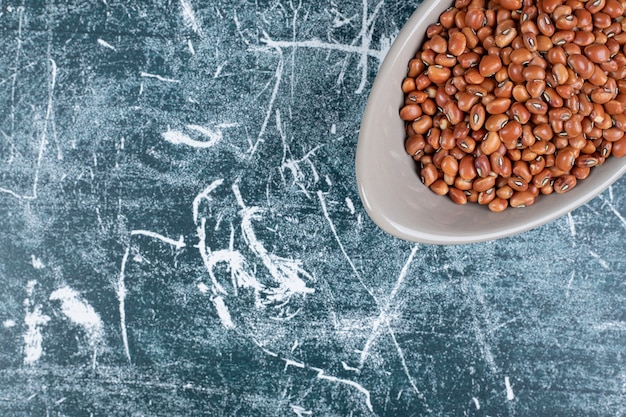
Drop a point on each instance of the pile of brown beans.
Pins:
(510, 99)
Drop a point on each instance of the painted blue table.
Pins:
(181, 234)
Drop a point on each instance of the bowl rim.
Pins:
(373, 209)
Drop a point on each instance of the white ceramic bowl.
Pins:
(388, 178)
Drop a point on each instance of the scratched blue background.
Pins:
(181, 234)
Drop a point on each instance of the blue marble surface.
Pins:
(181, 233)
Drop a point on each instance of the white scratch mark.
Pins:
(350, 368)
(36, 262)
(9, 323)
(601, 261)
(121, 297)
(290, 362)
(476, 403)
(178, 244)
(611, 325)
(569, 284)
(34, 320)
(203, 288)
(104, 43)
(295, 345)
(320, 197)
(382, 317)
(278, 75)
(158, 77)
(572, 225)
(190, 17)
(419, 394)
(333, 129)
(328, 181)
(318, 44)
(222, 312)
(44, 134)
(81, 313)
(359, 387)
(614, 210)
(190, 47)
(204, 195)
(300, 411)
(350, 205)
(509, 390)
(285, 272)
(214, 136)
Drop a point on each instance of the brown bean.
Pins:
(564, 183)
(498, 205)
(522, 199)
(489, 65)
(482, 165)
(565, 159)
(581, 64)
(491, 143)
(536, 106)
(483, 184)
(457, 196)
(410, 112)
(498, 106)
(414, 144)
(487, 196)
(440, 187)
(597, 53)
(450, 166)
(613, 134)
(619, 148)
(457, 43)
(429, 174)
(504, 192)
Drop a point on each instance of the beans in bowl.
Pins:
(510, 99)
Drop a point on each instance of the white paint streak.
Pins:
(290, 362)
(320, 197)
(36, 262)
(104, 43)
(359, 387)
(300, 411)
(44, 134)
(285, 272)
(318, 44)
(278, 75)
(476, 403)
(179, 138)
(405, 367)
(222, 312)
(601, 261)
(617, 214)
(158, 77)
(8, 323)
(81, 313)
(34, 320)
(203, 288)
(350, 368)
(204, 195)
(382, 317)
(350, 205)
(178, 244)
(572, 225)
(190, 17)
(121, 297)
(509, 390)
(611, 325)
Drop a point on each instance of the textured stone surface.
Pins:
(180, 233)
